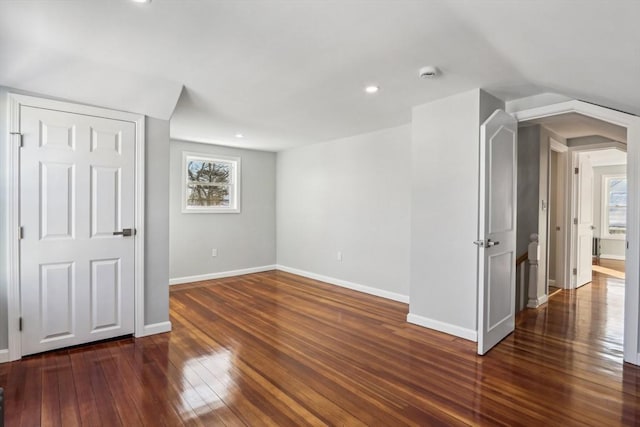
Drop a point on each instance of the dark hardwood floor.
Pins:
(281, 350)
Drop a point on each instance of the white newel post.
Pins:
(535, 293)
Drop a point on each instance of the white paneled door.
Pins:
(76, 190)
(585, 220)
(497, 229)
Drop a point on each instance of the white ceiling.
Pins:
(574, 125)
(609, 157)
(287, 73)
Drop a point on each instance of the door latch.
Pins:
(126, 232)
(488, 244)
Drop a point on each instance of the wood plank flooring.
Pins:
(275, 349)
(609, 267)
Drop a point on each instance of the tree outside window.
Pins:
(211, 183)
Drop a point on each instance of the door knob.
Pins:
(489, 243)
(126, 232)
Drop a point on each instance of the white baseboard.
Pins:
(447, 328)
(4, 356)
(632, 357)
(611, 256)
(157, 328)
(552, 282)
(220, 275)
(535, 303)
(346, 284)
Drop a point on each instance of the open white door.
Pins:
(585, 220)
(497, 229)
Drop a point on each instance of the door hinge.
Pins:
(576, 170)
(20, 143)
(20, 324)
(21, 233)
(575, 221)
(575, 271)
(627, 244)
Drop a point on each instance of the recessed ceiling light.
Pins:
(372, 89)
(239, 135)
(141, 1)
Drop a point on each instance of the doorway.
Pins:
(557, 205)
(619, 133)
(76, 265)
(558, 191)
(609, 206)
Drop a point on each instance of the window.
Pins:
(210, 183)
(614, 214)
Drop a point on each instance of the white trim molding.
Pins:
(13, 222)
(346, 284)
(4, 356)
(537, 302)
(15, 102)
(139, 251)
(156, 328)
(611, 256)
(557, 146)
(447, 328)
(220, 275)
(584, 108)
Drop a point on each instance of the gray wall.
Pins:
(349, 195)
(528, 185)
(608, 246)
(244, 240)
(533, 192)
(157, 219)
(444, 208)
(156, 291)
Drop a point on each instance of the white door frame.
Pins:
(13, 289)
(562, 259)
(632, 269)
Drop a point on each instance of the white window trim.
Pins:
(235, 195)
(604, 216)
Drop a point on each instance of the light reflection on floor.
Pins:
(199, 397)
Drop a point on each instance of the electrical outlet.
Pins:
(214, 252)
(339, 256)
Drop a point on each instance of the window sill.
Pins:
(209, 211)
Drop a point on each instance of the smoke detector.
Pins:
(428, 72)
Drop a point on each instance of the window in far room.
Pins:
(211, 184)
(614, 215)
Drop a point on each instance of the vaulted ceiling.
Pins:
(287, 73)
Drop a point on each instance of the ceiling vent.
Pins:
(428, 72)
